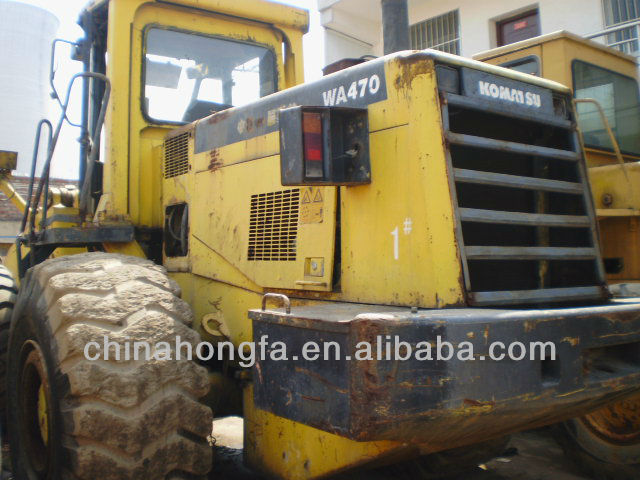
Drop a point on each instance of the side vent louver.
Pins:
(273, 225)
(176, 155)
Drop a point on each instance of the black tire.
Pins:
(610, 453)
(80, 419)
(7, 300)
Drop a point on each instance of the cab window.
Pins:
(189, 76)
(530, 65)
(618, 96)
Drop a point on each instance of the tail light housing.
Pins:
(324, 146)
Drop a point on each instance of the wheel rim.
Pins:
(618, 423)
(43, 414)
(34, 418)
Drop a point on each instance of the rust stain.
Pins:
(259, 371)
(477, 403)
(216, 303)
(568, 394)
(314, 399)
(410, 67)
(320, 378)
(217, 117)
(624, 334)
(215, 162)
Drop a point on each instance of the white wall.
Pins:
(346, 35)
(338, 46)
(477, 19)
(26, 33)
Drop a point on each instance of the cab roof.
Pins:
(448, 58)
(550, 37)
(259, 10)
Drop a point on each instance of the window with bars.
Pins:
(617, 12)
(440, 33)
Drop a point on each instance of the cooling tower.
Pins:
(26, 33)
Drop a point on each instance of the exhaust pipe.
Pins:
(395, 26)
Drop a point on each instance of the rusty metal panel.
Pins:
(598, 359)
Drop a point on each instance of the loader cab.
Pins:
(595, 71)
(592, 70)
(171, 64)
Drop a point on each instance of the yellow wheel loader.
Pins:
(416, 199)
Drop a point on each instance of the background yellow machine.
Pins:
(610, 77)
(392, 199)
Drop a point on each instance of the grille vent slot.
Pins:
(525, 220)
(273, 225)
(176, 155)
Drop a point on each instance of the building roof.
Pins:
(8, 211)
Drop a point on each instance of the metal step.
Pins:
(514, 181)
(543, 295)
(529, 253)
(511, 147)
(517, 218)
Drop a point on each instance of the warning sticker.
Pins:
(312, 206)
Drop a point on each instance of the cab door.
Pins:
(173, 82)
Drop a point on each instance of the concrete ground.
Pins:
(531, 455)
(536, 457)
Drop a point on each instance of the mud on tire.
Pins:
(7, 300)
(103, 419)
(599, 457)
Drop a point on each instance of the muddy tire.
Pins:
(7, 300)
(606, 443)
(72, 418)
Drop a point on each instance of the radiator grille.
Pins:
(176, 155)
(273, 225)
(526, 224)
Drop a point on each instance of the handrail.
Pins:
(612, 137)
(93, 151)
(34, 161)
(619, 28)
(615, 28)
(43, 184)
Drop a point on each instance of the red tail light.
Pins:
(313, 148)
